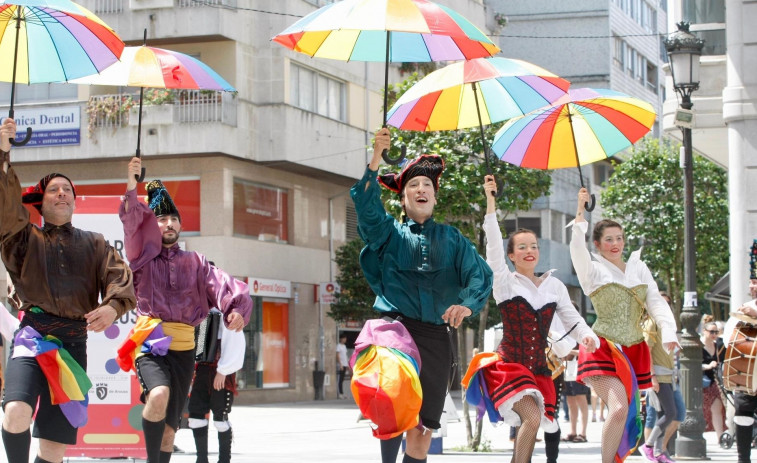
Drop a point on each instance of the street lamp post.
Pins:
(684, 50)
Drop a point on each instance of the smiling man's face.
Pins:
(419, 198)
(58, 202)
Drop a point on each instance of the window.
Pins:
(602, 172)
(318, 93)
(260, 211)
(350, 221)
(708, 23)
(39, 93)
(652, 78)
(530, 223)
(618, 53)
(557, 225)
(266, 359)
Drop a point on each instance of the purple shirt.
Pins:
(171, 284)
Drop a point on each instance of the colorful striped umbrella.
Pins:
(52, 41)
(477, 92)
(593, 125)
(152, 67)
(389, 31)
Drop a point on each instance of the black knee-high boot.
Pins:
(390, 448)
(17, 446)
(201, 443)
(41, 460)
(165, 457)
(224, 446)
(744, 443)
(409, 459)
(153, 438)
(552, 445)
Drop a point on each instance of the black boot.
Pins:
(224, 446)
(744, 443)
(552, 445)
(201, 443)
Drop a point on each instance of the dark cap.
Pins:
(426, 165)
(33, 195)
(159, 200)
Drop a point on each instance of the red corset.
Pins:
(525, 332)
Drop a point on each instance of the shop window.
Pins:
(260, 211)
(39, 93)
(266, 362)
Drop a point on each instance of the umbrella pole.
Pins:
(499, 183)
(385, 154)
(11, 113)
(587, 206)
(141, 176)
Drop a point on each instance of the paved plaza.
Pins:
(328, 431)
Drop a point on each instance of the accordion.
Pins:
(206, 338)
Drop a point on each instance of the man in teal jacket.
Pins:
(426, 275)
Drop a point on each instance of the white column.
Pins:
(740, 115)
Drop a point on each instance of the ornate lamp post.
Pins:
(684, 50)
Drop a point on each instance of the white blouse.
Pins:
(593, 274)
(509, 284)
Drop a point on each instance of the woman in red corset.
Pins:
(516, 378)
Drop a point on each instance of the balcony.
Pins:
(192, 121)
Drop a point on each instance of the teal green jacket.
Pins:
(417, 270)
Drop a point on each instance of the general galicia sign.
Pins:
(58, 125)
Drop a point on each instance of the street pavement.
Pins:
(329, 431)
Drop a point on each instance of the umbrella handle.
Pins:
(590, 206)
(25, 140)
(141, 176)
(397, 160)
(500, 183)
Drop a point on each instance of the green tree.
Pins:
(646, 194)
(354, 301)
(461, 204)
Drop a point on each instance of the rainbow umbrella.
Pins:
(388, 31)
(477, 92)
(152, 67)
(593, 125)
(52, 41)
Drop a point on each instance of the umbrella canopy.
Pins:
(593, 125)
(152, 67)
(446, 98)
(52, 41)
(57, 41)
(355, 30)
(388, 31)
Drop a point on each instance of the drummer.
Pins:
(745, 403)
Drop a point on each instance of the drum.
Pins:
(739, 372)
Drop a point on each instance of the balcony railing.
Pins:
(109, 6)
(191, 106)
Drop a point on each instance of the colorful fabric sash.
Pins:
(67, 380)
(633, 428)
(385, 382)
(183, 335)
(476, 391)
(146, 337)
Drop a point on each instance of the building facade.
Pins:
(261, 176)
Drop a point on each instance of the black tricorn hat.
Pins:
(159, 200)
(426, 165)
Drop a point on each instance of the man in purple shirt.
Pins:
(177, 289)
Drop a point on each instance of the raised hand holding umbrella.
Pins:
(387, 30)
(52, 41)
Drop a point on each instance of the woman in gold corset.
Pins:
(620, 291)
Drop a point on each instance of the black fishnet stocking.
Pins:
(530, 418)
(611, 390)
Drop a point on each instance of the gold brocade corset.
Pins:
(619, 313)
